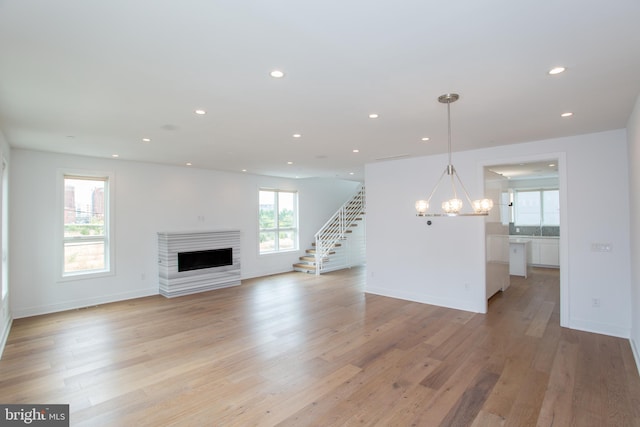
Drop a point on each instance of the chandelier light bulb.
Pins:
(482, 206)
(421, 207)
(452, 206)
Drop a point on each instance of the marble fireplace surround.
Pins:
(175, 283)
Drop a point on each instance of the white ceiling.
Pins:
(95, 77)
(529, 170)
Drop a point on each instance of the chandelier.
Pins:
(453, 206)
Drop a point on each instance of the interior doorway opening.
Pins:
(529, 219)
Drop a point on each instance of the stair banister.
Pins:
(334, 230)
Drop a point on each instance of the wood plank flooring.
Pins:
(299, 350)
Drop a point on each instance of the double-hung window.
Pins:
(86, 225)
(278, 221)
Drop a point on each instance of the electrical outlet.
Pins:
(595, 302)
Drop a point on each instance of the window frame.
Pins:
(277, 229)
(541, 213)
(107, 239)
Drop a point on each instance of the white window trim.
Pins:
(109, 225)
(540, 190)
(277, 229)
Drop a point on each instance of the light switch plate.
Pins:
(601, 247)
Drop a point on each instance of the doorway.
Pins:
(532, 207)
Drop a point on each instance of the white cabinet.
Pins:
(519, 257)
(549, 252)
(545, 251)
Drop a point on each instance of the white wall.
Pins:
(634, 196)
(444, 263)
(148, 198)
(5, 309)
(441, 264)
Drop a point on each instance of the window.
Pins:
(278, 221)
(537, 207)
(551, 207)
(86, 225)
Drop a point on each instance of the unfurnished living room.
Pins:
(409, 213)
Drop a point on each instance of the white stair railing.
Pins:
(335, 229)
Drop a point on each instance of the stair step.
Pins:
(313, 251)
(312, 259)
(307, 267)
(337, 245)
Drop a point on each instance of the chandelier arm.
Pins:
(466, 194)
(436, 186)
(453, 183)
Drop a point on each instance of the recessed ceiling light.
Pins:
(115, 155)
(200, 112)
(557, 70)
(425, 139)
(373, 116)
(355, 150)
(289, 163)
(244, 170)
(277, 74)
(297, 135)
(351, 173)
(146, 139)
(189, 164)
(569, 114)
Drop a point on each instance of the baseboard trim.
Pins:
(76, 304)
(599, 328)
(425, 299)
(636, 353)
(5, 336)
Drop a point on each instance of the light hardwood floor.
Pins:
(297, 350)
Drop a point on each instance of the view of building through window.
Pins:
(85, 237)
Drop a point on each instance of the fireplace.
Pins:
(197, 260)
(191, 262)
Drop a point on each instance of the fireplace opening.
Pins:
(197, 260)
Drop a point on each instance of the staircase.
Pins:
(340, 242)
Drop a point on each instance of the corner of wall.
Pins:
(636, 353)
(4, 335)
(633, 143)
